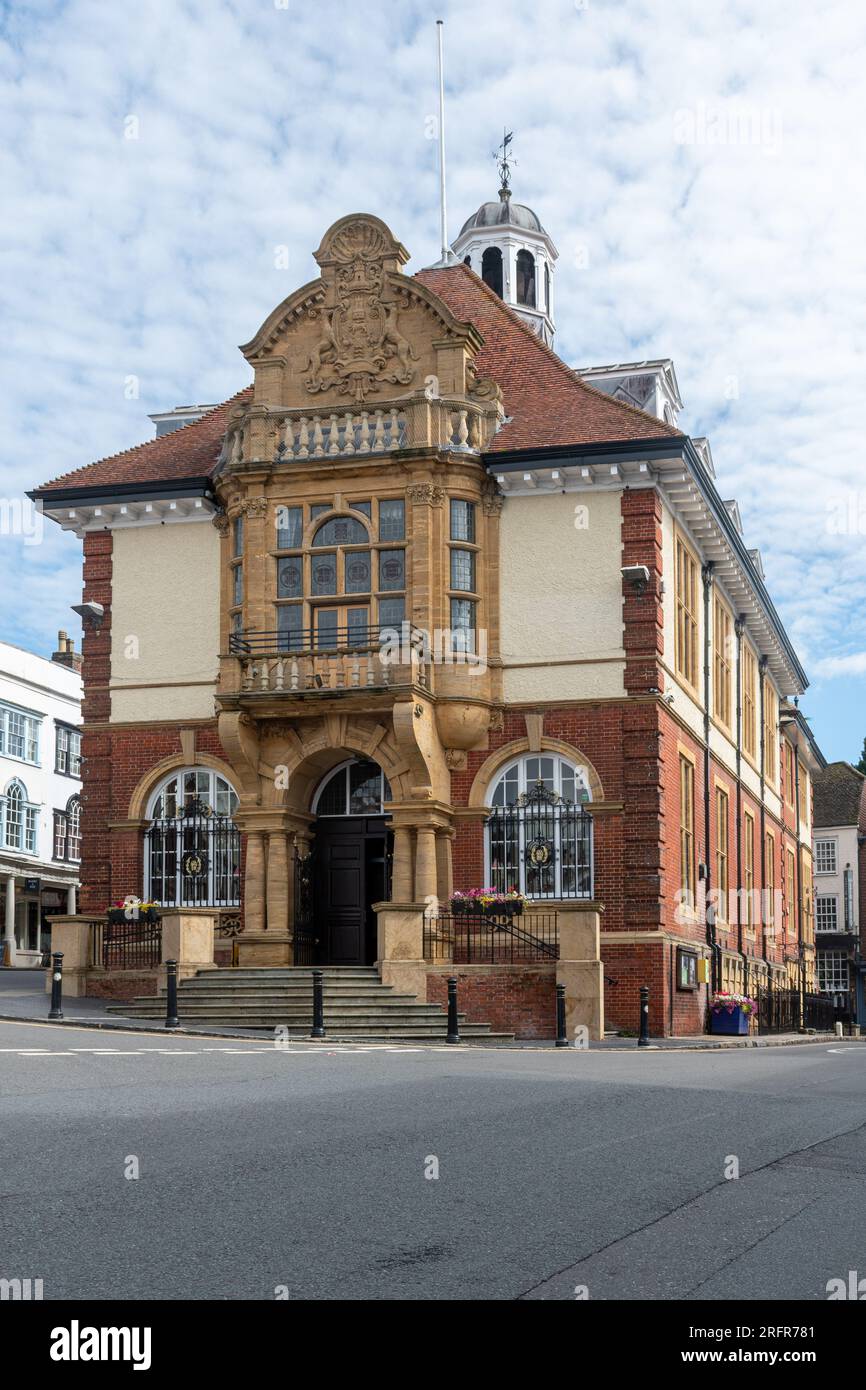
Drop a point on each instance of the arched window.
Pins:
(355, 788)
(192, 845)
(539, 835)
(526, 279)
(20, 819)
(547, 289)
(67, 831)
(491, 269)
(73, 828)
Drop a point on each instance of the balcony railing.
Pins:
(321, 436)
(372, 657)
(299, 435)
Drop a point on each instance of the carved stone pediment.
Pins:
(362, 336)
(361, 347)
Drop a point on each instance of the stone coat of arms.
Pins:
(361, 346)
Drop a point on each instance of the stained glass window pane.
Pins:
(342, 530)
(463, 570)
(357, 572)
(462, 625)
(462, 520)
(392, 520)
(326, 627)
(325, 573)
(290, 578)
(289, 618)
(392, 569)
(391, 612)
(290, 527)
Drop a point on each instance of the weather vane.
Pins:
(502, 159)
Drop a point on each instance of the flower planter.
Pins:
(730, 1022)
(468, 907)
(117, 916)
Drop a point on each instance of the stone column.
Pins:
(254, 883)
(444, 867)
(425, 864)
(278, 881)
(401, 870)
(9, 951)
(71, 907)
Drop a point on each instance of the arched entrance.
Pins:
(350, 866)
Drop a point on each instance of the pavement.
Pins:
(134, 1167)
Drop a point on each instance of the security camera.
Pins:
(91, 614)
(637, 576)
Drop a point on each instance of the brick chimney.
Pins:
(66, 655)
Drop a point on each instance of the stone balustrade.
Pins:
(309, 672)
(341, 435)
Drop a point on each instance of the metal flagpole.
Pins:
(447, 257)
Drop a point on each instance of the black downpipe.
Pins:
(707, 577)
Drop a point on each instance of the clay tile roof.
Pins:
(189, 452)
(839, 795)
(548, 401)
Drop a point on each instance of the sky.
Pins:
(168, 167)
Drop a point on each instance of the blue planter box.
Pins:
(735, 1023)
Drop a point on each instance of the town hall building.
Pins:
(424, 609)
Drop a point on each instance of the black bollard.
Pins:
(643, 1036)
(171, 1018)
(318, 1006)
(561, 1039)
(453, 1035)
(56, 986)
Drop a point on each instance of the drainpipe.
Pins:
(739, 629)
(762, 668)
(707, 577)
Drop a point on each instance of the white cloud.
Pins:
(259, 125)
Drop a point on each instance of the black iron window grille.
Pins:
(194, 859)
(541, 845)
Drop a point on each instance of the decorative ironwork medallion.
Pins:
(194, 864)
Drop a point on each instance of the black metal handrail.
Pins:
(310, 641)
(130, 946)
(482, 940)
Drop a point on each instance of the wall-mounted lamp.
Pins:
(637, 576)
(91, 614)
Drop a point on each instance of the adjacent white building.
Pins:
(40, 794)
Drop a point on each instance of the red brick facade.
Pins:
(634, 745)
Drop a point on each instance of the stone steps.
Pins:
(357, 1006)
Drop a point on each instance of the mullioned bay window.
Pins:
(339, 583)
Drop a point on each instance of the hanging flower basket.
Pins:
(730, 1014)
(485, 902)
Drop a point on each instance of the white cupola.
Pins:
(506, 245)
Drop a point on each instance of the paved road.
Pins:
(305, 1170)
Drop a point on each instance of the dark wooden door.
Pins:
(348, 852)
